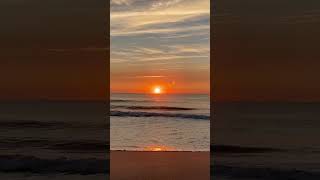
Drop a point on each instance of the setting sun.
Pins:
(157, 90)
(158, 148)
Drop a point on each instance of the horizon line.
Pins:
(187, 93)
(109, 100)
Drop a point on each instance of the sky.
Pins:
(160, 42)
(261, 50)
(53, 49)
(266, 50)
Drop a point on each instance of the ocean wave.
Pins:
(31, 164)
(31, 124)
(100, 146)
(261, 173)
(119, 100)
(137, 101)
(154, 114)
(128, 100)
(73, 146)
(241, 149)
(14, 123)
(165, 108)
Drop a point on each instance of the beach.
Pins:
(138, 165)
(159, 137)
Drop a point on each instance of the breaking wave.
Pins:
(74, 146)
(31, 164)
(31, 124)
(154, 114)
(165, 108)
(241, 149)
(14, 123)
(128, 100)
(261, 173)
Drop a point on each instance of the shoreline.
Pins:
(159, 165)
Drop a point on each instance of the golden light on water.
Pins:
(157, 148)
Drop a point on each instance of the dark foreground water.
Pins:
(266, 141)
(68, 140)
(53, 140)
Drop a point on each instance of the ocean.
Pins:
(53, 140)
(166, 122)
(266, 141)
(250, 141)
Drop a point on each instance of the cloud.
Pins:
(161, 4)
(150, 76)
(197, 48)
(159, 31)
(85, 49)
(121, 2)
(166, 37)
(160, 17)
(162, 53)
(311, 16)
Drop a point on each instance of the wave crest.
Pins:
(261, 173)
(165, 108)
(31, 164)
(154, 114)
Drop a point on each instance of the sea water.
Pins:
(53, 140)
(266, 140)
(166, 122)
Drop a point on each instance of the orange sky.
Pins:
(145, 85)
(160, 43)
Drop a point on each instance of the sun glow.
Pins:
(157, 90)
(158, 148)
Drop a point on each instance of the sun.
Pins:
(157, 90)
(157, 148)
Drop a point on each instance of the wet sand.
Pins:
(129, 165)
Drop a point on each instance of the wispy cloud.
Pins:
(311, 16)
(160, 17)
(155, 40)
(85, 49)
(162, 53)
(149, 76)
(197, 48)
(121, 2)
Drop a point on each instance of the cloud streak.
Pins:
(150, 76)
(160, 17)
(167, 53)
(153, 40)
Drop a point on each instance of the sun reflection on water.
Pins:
(158, 148)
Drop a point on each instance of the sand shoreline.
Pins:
(156, 165)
